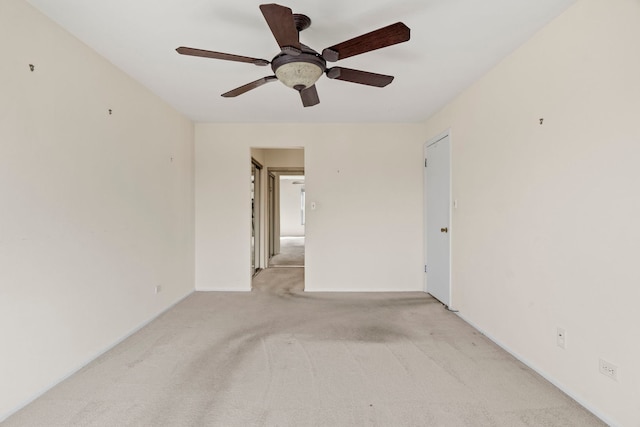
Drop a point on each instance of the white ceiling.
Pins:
(453, 42)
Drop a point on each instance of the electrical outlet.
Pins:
(158, 289)
(609, 369)
(560, 337)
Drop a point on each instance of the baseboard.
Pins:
(541, 372)
(35, 396)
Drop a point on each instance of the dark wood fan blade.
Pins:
(383, 37)
(357, 76)
(219, 55)
(246, 88)
(282, 25)
(310, 96)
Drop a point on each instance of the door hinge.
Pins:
(425, 162)
(425, 268)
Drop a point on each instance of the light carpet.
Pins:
(280, 357)
(291, 252)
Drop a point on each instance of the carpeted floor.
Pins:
(291, 253)
(280, 357)
(279, 281)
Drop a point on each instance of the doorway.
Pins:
(278, 218)
(437, 185)
(290, 220)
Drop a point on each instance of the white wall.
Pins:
(95, 209)
(547, 234)
(290, 207)
(365, 234)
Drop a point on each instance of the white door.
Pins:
(438, 226)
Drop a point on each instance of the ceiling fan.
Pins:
(298, 66)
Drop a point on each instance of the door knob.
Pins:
(444, 230)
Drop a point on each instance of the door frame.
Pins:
(271, 213)
(256, 226)
(427, 144)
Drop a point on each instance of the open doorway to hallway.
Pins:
(278, 213)
(291, 222)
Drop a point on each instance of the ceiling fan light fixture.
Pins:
(296, 74)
